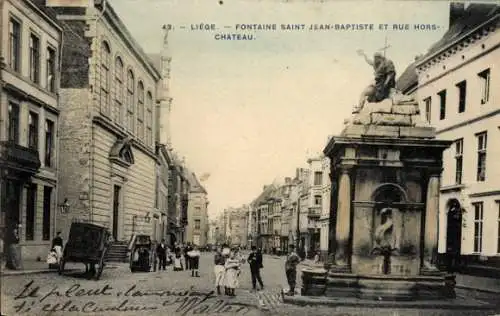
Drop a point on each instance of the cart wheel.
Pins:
(61, 266)
(101, 266)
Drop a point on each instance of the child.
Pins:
(194, 256)
(232, 266)
(52, 259)
(291, 269)
(178, 264)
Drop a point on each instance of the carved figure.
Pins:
(385, 80)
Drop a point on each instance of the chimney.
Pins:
(457, 10)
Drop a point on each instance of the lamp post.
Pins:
(297, 241)
(64, 206)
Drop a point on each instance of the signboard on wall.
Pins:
(196, 240)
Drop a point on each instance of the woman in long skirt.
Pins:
(232, 266)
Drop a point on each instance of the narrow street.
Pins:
(120, 292)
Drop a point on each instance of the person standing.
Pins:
(161, 252)
(232, 267)
(219, 260)
(291, 269)
(187, 259)
(194, 258)
(255, 266)
(57, 245)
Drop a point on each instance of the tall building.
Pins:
(107, 130)
(197, 224)
(455, 90)
(30, 42)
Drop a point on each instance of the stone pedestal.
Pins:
(386, 165)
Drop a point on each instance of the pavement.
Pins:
(35, 267)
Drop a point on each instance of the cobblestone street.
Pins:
(120, 292)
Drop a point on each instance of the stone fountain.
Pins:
(385, 171)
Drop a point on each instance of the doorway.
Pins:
(453, 234)
(12, 201)
(116, 211)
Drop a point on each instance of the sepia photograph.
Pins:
(250, 157)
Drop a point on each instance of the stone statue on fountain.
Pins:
(384, 83)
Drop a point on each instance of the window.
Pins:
(149, 119)
(140, 110)
(498, 229)
(442, 102)
(118, 112)
(30, 211)
(130, 101)
(47, 197)
(318, 178)
(14, 45)
(49, 143)
(33, 131)
(104, 101)
(13, 131)
(482, 139)
(428, 109)
(478, 226)
(459, 151)
(51, 69)
(34, 58)
(197, 224)
(484, 78)
(317, 200)
(462, 95)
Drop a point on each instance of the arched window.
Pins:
(118, 111)
(140, 110)
(149, 119)
(104, 74)
(130, 101)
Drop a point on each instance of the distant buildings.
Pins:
(30, 116)
(197, 224)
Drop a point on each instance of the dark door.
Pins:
(453, 235)
(116, 210)
(13, 199)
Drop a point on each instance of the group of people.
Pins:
(182, 257)
(227, 268)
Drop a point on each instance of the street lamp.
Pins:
(64, 207)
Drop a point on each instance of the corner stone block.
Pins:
(409, 109)
(381, 130)
(417, 132)
(383, 106)
(353, 130)
(391, 119)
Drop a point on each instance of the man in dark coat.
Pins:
(187, 259)
(161, 252)
(255, 261)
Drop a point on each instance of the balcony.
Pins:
(19, 158)
(314, 211)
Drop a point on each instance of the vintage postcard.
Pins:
(249, 157)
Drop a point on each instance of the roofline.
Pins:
(453, 43)
(45, 16)
(129, 40)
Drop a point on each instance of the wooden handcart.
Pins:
(88, 244)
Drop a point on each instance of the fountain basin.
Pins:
(319, 282)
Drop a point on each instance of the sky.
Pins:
(249, 112)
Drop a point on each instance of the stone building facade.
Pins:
(454, 84)
(197, 224)
(30, 40)
(107, 146)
